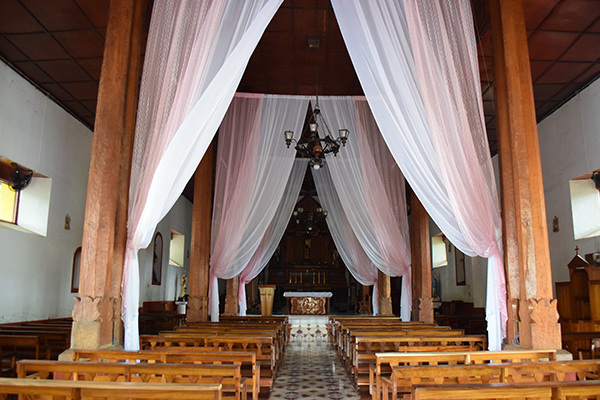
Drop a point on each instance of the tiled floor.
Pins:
(310, 368)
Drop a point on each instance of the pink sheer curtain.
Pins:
(381, 49)
(192, 66)
(253, 164)
(351, 252)
(274, 232)
(371, 190)
(444, 48)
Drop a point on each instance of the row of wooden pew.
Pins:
(240, 360)
(379, 355)
(33, 339)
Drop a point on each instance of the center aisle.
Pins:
(310, 368)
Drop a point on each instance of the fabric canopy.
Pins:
(371, 190)
(253, 165)
(196, 54)
(274, 232)
(435, 157)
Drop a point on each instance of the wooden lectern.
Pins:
(267, 293)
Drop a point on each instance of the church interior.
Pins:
(71, 77)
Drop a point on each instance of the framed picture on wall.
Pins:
(76, 270)
(157, 259)
(460, 267)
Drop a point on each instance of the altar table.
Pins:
(308, 303)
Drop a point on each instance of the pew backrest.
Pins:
(72, 390)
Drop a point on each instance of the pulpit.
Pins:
(308, 303)
(267, 293)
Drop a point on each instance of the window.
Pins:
(177, 250)
(76, 270)
(585, 206)
(9, 199)
(439, 254)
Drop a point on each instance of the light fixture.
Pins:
(309, 219)
(596, 178)
(14, 175)
(313, 146)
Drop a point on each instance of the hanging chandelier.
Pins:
(313, 146)
(309, 219)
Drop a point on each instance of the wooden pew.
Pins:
(384, 362)
(490, 391)
(403, 378)
(10, 349)
(51, 343)
(574, 390)
(75, 390)
(276, 331)
(348, 339)
(264, 346)
(229, 376)
(246, 360)
(365, 348)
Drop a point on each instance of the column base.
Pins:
(197, 309)
(231, 305)
(385, 307)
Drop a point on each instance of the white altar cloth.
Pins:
(307, 294)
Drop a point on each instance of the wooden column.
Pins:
(532, 309)
(385, 294)
(197, 309)
(231, 299)
(96, 312)
(420, 246)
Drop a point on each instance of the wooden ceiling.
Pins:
(59, 44)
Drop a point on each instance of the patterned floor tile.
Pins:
(310, 368)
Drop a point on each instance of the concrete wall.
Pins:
(569, 147)
(36, 271)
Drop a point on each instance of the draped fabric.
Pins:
(442, 156)
(438, 32)
(274, 232)
(354, 257)
(371, 190)
(196, 54)
(253, 164)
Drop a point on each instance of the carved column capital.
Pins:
(545, 329)
(87, 309)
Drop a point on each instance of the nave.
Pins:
(310, 368)
(297, 357)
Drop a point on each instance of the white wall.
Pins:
(37, 133)
(179, 219)
(569, 147)
(35, 270)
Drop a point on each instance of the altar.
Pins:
(308, 303)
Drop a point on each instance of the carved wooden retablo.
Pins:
(308, 305)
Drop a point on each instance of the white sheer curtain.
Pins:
(356, 260)
(196, 54)
(274, 232)
(371, 191)
(253, 164)
(377, 38)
